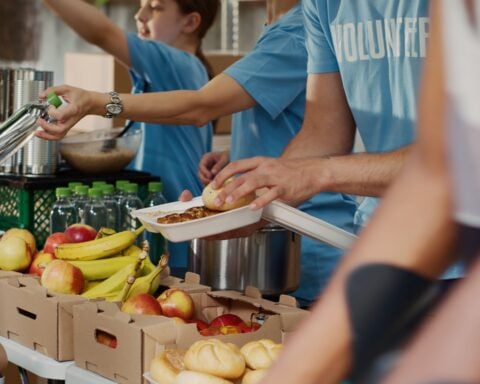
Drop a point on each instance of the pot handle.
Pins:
(307, 225)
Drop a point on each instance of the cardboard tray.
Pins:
(36, 318)
(192, 229)
(307, 225)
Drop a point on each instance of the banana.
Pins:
(115, 283)
(91, 284)
(102, 268)
(150, 282)
(104, 232)
(98, 248)
(132, 250)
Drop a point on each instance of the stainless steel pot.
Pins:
(269, 260)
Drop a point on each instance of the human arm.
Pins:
(93, 26)
(221, 96)
(412, 229)
(325, 143)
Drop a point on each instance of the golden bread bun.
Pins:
(165, 367)
(191, 377)
(260, 354)
(254, 377)
(209, 194)
(215, 358)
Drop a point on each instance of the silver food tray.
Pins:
(307, 225)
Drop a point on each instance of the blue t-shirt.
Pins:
(275, 74)
(379, 43)
(172, 152)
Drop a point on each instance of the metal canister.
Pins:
(39, 157)
(16, 89)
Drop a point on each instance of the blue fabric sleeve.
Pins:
(321, 54)
(274, 73)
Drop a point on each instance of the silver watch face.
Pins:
(114, 109)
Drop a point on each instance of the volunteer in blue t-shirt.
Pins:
(165, 55)
(267, 89)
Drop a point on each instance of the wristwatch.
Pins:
(115, 106)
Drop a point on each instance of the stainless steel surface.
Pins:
(24, 154)
(269, 260)
(40, 157)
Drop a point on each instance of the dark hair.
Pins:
(208, 11)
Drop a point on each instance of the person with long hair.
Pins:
(165, 55)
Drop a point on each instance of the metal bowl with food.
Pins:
(101, 151)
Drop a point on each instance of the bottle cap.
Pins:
(107, 188)
(81, 190)
(54, 100)
(63, 192)
(98, 183)
(73, 184)
(155, 186)
(131, 187)
(95, 192)
(118, 183)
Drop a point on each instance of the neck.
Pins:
(277, 8)
(186, 43)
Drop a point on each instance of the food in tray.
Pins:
(190, 214)
(208, 196)
(215, 362)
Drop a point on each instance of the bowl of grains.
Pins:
(101, 151)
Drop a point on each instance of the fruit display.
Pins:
(215, 362)
(15, 254)
(176, 303)
(39, 263)
(62, 277)
(227, 324)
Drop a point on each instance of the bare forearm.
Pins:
(86, 20)
(420, 242)
(220, 97)
(363, 174)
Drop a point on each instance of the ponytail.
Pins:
(201, 56)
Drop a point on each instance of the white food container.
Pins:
(196, 228)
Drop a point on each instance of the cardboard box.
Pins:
(190, 283)
(140, 338)
(4, 274)
(221, 60)
(36, 318)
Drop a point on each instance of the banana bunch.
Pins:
(103, 247)
(150, 282)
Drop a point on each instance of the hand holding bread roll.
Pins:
(260, 354)
(209, 195)
(215, 358)
(166, 366)
(192, 377)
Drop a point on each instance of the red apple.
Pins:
(39, 263)
(226, 319)
(176, 303)
(23, 234)
(221, 330)
(249, 327)
(143, 304)
(200, 324)
(106, 339)
(78, 233)
(53, 240)
(62, 277)
(15, 254)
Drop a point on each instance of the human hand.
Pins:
(80, 103)
(291, 180)
(210, 164)
(186, 195)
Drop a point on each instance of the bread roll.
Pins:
(215, 358)
(209, 194)
(260, 354)
(191, 377)
(165, 367)
(254, 377)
